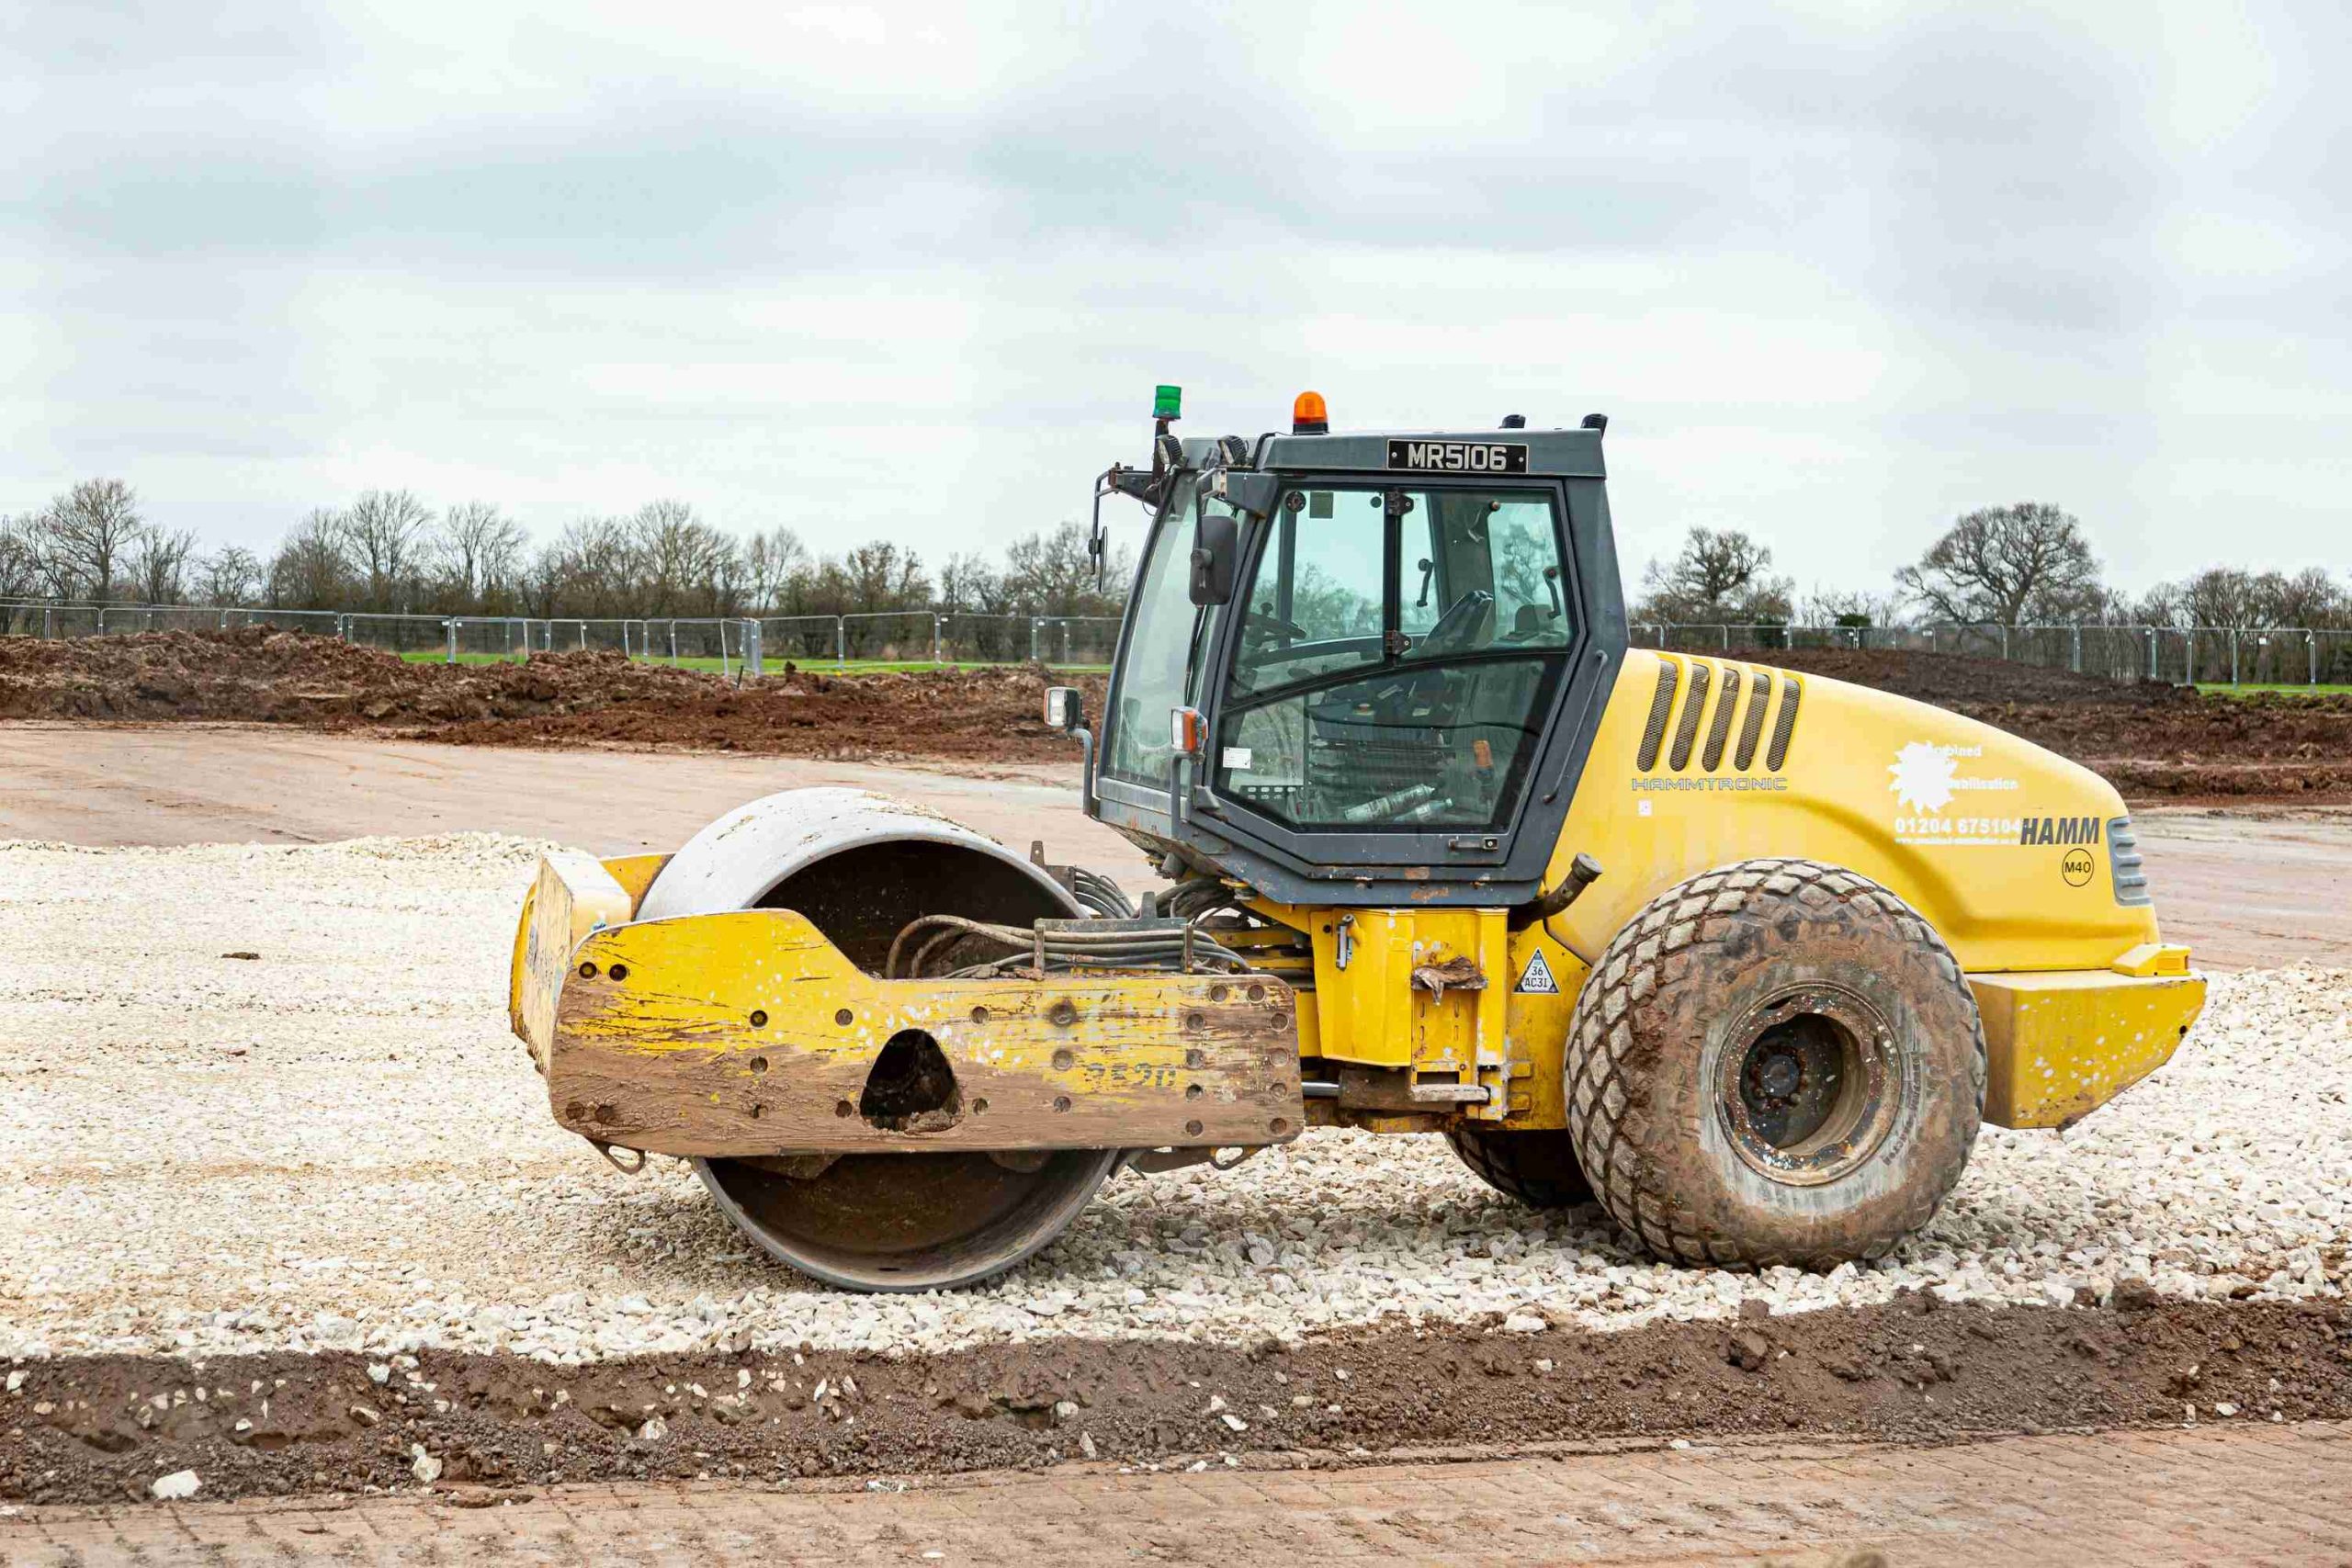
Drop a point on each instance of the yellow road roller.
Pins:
(1744, 956)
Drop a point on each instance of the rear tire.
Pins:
(1537, 1167)
(1776, 1061)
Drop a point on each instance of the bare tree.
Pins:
(2309, 598)
(386, 530)
(968, 585)
(1852, 608)
(19, 562)
(159, 563)
(771, 559)
(2223, 597)
(229, 575)
(881, 576)
(1720, 575)
(1052, 573)
(2007, 566)
(592, 569)
(481, 552)
(312, 569)
(682, 558)
(85, 536)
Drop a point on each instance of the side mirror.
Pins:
(1216, 542)
(1065, 708)
(1098, 544)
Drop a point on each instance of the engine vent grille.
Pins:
(1785, 726)
(1751, 730)
(1720, 731)
(1729, 684)
(1660, 706)
(1702, 677)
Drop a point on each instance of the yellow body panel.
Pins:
(1947, 812)
(1998, 843)
(631, 874)
(575, 897)
(1505, 1035)
(749, 1033)
(2057, 1046)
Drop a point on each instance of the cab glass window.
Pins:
(1402, 649)
(1161, 662)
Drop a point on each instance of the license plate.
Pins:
(1459, 456)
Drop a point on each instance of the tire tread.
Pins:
(1606, 1118)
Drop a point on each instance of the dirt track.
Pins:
(2238, 888)
(2217, 1495)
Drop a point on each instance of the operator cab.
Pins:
(1362, 669)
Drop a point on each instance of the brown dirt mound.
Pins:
(563, 699)
(2149, 739)
(1951, 680)
(100, 1429)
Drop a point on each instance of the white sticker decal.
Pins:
(1535, 980)
(1237, 759)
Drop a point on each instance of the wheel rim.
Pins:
(1809, 1084)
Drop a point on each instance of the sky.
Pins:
(1835, 273)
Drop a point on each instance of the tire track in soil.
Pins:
(99, 1429)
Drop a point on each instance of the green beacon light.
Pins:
(1168, 402)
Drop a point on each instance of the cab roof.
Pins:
(1556, 454)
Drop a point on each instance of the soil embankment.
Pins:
(2153, 741)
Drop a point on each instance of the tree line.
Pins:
(2025, 564)
(391, 551)
(388, 550)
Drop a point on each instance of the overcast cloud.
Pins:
(1835, 273)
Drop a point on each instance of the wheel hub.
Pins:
(1808, 1084)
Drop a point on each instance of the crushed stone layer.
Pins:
(335, 1145)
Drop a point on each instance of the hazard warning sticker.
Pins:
(1535, 980)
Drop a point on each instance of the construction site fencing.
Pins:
(732, 643)
(2270, 656)
(2282, 655)
(940, 637)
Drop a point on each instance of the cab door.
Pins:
(1403, 679)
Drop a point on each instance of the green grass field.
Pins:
(776, 664)
(2223, 688)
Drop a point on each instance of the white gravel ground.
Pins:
(338, 1145)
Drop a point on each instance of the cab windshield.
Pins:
(1398, 650)
(1166, 636)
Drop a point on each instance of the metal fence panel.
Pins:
(2284, 656)
(893, 636)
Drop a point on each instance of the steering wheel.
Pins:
(1266, 625)
(1454, 628)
